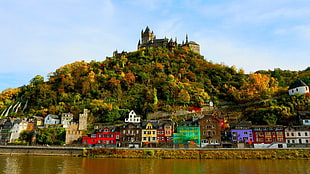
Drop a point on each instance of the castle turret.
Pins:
(147, 35)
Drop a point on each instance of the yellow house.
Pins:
(149, 133)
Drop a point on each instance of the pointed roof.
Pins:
(297, 83)
(147, 29)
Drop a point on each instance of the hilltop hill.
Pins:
(154, 79)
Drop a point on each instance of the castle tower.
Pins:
(147, 35)
(83, 120)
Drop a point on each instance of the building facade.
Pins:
(130, 134)
(210, 131)
(266, 136)
(165, 133)
(297, 135)
(149, 133)
(298, 87)
(107, 138)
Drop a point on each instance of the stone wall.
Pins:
(42, 151)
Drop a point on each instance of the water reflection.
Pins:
(68, 165)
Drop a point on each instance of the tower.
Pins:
(147, 35)
(83, 120)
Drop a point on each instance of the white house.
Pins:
(297, 135)
(298, 87)
(304, 117)
(51, 119)
(66, 118)
(18, 127)
(133, 118)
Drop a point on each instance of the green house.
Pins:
(187, 135)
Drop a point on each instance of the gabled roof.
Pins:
(53, 116)
(297, 83)
(154, 124)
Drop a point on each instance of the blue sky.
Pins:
(39, 36)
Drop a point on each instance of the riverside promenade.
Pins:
(42, 150)
(159, 153)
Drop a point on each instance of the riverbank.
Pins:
(148, 153)
(201, 153)
(42, 151)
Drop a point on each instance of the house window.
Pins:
(292, 134)
(245, 133)
(287, 134)
(288, 141)
(306, 133)
(144, 132)
(144, 138)
(154, 138)
(299, 134)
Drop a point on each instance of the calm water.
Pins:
(68, 165)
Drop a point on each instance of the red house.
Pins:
(165, 133)
(105, 138)
(268, 134)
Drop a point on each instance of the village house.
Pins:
(6, 130)
(18, 126)
(304, 117)
(107, 137)
(187, 135)
(165, 133)
(266, 136)
(297, 136)
(66, 118)
(51, 119)
(130, 135)
(298, 87)
(149, 133)
(130, 131)
(241, 133)
(132, 118)
(210, 131)
(38, 122)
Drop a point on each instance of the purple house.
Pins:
(241, 135)
(241, 131)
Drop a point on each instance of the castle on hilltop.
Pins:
(148, 39)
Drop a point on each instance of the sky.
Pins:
(39, 36)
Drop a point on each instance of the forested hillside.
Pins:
(157, 79)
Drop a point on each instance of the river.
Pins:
(76, 165)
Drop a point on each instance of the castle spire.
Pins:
(186, 41)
